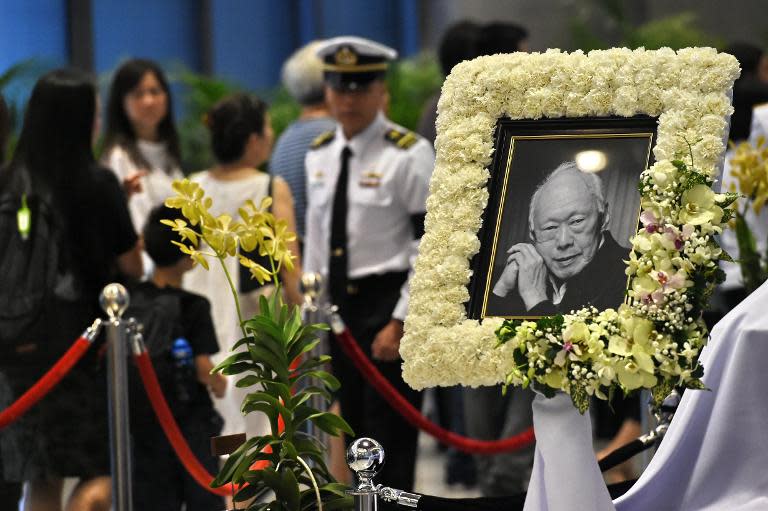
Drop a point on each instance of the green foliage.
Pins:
(411, 83)
(283, 109)
(675, 31)
(200, 94)
(753, 271)
(276, 337)
(20, 72)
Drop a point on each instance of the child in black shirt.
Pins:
(167, 314)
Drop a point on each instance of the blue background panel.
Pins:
(251, 40)
(33, 28)
(166, 31)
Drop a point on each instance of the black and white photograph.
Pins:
(557, 231)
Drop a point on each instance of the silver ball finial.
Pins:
(311, 284)
(114, 300)
(365, 458)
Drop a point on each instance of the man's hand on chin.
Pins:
(532, 275)
(386, 345)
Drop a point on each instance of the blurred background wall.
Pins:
(211, 47)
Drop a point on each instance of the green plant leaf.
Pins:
(288, 489)
(308, 392)
(263, 397)
(292, 326)
(266, 326)
(312, 363)
(298, 349)
(330, 380)
(331, 423)
(266, 357)
(240, 356)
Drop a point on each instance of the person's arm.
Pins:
(282, 206)
(129, 176)
(129, 263)
(413, 185)
(217, 382)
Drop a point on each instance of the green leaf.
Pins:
(311, 363)
(263, 397)
(327, 378)
(288, 489)
(230, 360)
(265, 408)
(579, 397)
(331, 423)
(264, 356)
(307, 392)
(265, 325)
(292, 326)
(298, 349)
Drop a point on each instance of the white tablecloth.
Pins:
(715, 454)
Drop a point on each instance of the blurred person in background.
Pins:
(241, 139)
(303, 77)
(65, 435)
(10, 492)
(169, 316)
(367, 183)
(141, 144)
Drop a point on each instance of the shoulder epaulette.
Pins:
(401, 139)
(322, 139)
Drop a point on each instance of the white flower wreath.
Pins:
(652, 342)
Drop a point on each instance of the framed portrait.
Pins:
(525, 140)
(563, 202)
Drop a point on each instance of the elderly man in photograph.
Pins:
(573, 260)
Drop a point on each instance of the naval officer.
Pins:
(367, 184)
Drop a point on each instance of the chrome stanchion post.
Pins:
(114, 300)
(312, 312)
(365, 457)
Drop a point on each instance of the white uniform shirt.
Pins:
(387, 185)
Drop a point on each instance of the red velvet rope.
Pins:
(44, 385)
(415, 418)
(171, 429)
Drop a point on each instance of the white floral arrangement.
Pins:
(655, 339)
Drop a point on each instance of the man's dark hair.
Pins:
(158, 237)
(501, 38)
(748, 56)
(459, 43)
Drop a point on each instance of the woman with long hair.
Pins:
(65, 435)
(141, 144)
(241, 138)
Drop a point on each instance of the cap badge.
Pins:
(345, 56)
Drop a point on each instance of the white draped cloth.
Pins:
(714, 456)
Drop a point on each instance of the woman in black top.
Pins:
(65, 435)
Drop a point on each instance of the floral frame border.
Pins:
(689, 91)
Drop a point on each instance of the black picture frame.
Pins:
(626, 142)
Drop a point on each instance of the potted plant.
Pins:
(264, 359)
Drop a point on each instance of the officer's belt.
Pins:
(373, 284)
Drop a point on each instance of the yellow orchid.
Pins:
(258, 229)
(699, 206)
(749, 166)
(631, 376)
